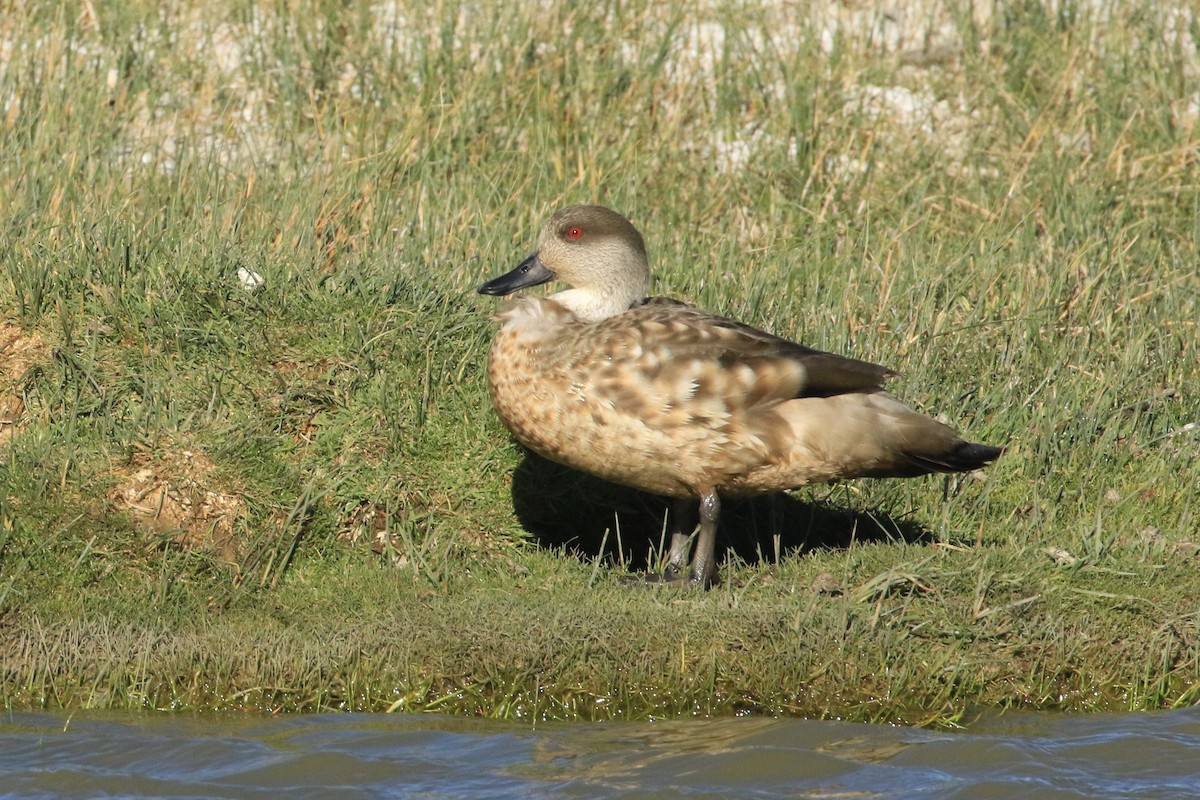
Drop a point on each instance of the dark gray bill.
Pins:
(529, 272)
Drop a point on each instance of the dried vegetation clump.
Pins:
(178, 495)
(19, 350)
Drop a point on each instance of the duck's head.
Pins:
(595, 250)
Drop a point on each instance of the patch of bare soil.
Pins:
(177, 494)
(18, 352)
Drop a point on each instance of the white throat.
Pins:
(591, 305)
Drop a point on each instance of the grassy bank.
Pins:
(246, 453)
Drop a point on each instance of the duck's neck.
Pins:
(593, 306)
(594, 303)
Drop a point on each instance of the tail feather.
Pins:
(964, 457)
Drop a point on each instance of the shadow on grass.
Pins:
(565, 508)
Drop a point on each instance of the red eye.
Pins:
(575, 233)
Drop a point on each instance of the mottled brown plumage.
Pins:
(655, 394)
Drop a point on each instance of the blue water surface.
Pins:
(372, 756)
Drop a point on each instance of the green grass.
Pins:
(1004, 208)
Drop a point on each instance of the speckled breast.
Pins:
(548, 411)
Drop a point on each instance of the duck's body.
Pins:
(673, 400)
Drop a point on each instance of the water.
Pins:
(364, 756)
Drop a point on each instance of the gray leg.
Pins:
(684, 513)
(704, 568)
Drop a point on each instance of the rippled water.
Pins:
(364, 756)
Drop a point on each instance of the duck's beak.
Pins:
(529, 272)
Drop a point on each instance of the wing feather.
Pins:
(745, 365)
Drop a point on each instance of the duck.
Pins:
(659, 395)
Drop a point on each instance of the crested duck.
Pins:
(655, 394)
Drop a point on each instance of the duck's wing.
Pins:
(673, 344)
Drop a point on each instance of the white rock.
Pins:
(249, 279)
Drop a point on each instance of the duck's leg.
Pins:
(704, 567)
(684, 516)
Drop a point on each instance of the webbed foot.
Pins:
(671, 576)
